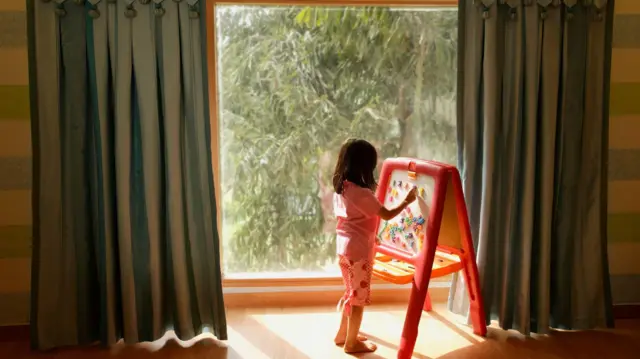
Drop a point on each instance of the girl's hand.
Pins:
(411, 196)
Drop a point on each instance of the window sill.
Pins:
(314, 279)
(280, 280)
(321, 295)
(319, 289)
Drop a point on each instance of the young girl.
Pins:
(357, 208)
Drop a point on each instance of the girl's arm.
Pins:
(388, 214)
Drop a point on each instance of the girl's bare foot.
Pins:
(341, 338)
(360, 347)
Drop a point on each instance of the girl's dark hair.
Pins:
(356, 162)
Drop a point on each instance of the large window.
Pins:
(293, 83)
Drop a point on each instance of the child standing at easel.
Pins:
(357, 209)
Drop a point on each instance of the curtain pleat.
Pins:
(48, 244)
(100, 60)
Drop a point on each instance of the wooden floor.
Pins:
(307, 334)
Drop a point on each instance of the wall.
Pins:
(15, 165)
(15, 160)
(624, 155)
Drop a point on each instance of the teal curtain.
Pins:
(532, 132)
(125, 237)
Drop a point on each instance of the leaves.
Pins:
(294, 83)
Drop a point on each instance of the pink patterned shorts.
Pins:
(357, 280)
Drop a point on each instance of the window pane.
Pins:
(293, 84)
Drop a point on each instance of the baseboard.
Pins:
(14, 333)
(626, 311)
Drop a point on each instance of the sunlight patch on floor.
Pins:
(243, 347)
(311, 336)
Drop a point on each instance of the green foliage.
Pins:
(295, 83)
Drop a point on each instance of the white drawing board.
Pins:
(407, 230)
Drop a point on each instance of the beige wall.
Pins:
(15, 160)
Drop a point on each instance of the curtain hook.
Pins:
(485, 14)
(543, 14)
(569, 14)
(598, 15)
(94, 13)
(159, 10)
(130, 12)
(193, 12)
(61, 12)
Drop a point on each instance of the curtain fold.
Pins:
(125, 237)
(532, 120)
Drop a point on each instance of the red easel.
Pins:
(447, 247)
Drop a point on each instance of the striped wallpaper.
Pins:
(624, 155)
(15, 160)
(15, 165)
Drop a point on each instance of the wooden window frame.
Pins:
(237, 294)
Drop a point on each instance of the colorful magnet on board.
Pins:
(421, 192)
(394, 183)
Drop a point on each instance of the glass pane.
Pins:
(294, 83)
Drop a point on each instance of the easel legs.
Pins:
(417, 302)
(476, 304)
(427, 303)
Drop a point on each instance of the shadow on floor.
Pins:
(455, 328)
(566, 345)
(394, 347)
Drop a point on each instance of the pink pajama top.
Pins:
(357, 211)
